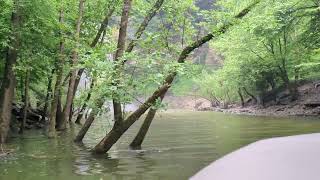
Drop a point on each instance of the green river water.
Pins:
(178, 145)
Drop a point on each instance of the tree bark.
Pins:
(48, 96)
(129, 49)
(84, 107)
(70, 94)
(114, 135)
(59, 113)
(84, 129)
(241, 97)
(117, 131)
(144, 24)
(26, 102)
(117, 109)
(57, 88)
(103, 26)
(251, 95)
(138, 140)
(93, 44)
(9, 79)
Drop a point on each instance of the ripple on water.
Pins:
(177, 146)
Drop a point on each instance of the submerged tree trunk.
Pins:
(84, 106)
(114, 135)
(129, 49)
(26, 102)
(9, 79)
(84, 129)
(99, 104)
(70, 94)
(57, 88)
(59, 113)
(120, 50)
(138, 140)
(117, 131)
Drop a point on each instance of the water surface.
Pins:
(179, 144)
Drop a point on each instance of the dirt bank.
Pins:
(307, 104)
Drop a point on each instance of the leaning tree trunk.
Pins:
(117, 131)
(120, 51)
(57, 88)
(26, 102)
(132, 44)
(94, 43)
(9, 79)
(93, 114)
(70, 95)
(114, 135)
(138, 140)
(84, 129)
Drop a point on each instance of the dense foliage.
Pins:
(78, 55)
(277, 42)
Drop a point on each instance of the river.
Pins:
(179, 144)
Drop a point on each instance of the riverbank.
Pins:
(307, 104)
(275, 110)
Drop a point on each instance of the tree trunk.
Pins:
(251, 95)
(241, 97)
(114, 135)
(117, 109)
(84, 129)
(48, 96)
(26, 102)
(84, 107)
(9, 79)
(93, 44)
(70, 94)
(117, 131)
(120, 50)
(100, 102)
(130, 47)
(103, 26)
(59, 113)
(57, 88)
(138, 140)
(144, 24)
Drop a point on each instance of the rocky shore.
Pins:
(307, 104)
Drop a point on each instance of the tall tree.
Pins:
(9, 79)
(75, 53)
(151, 13)
(57, 88)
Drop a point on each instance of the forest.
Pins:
(67, 63)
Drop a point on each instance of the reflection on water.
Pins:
(178, 145)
